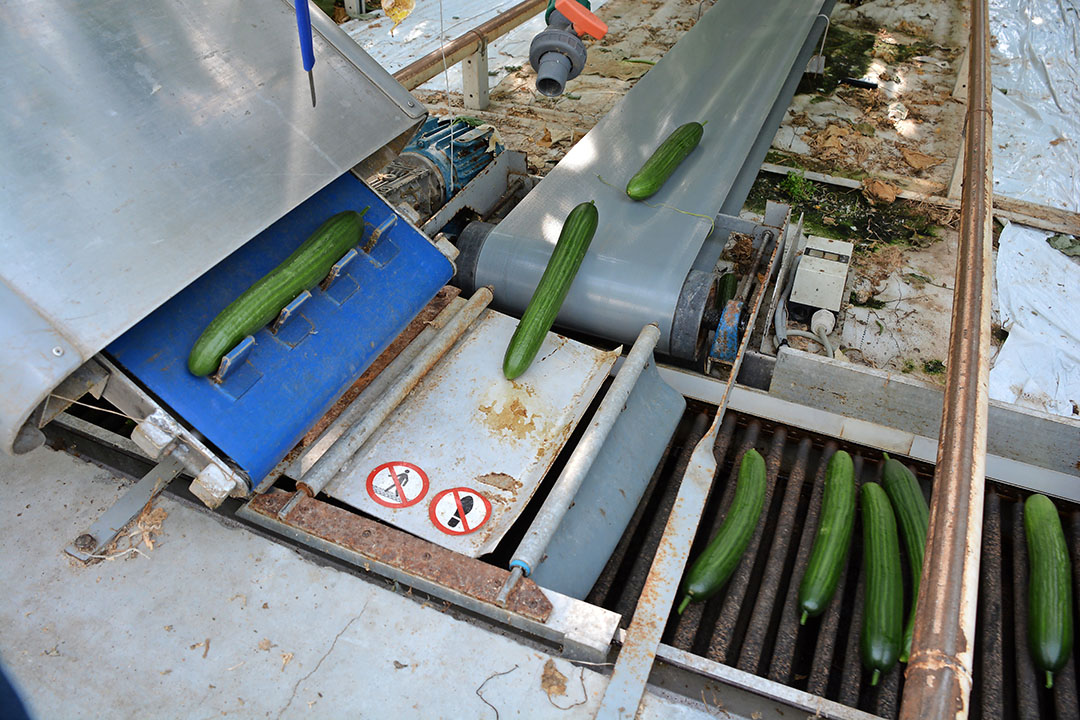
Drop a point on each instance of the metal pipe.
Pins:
(338, 455)
(939, 674)
(376, 389)
(420, 71)
(531, 549)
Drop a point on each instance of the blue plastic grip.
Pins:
(303, 24)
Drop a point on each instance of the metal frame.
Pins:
(627, 687)
(898, 440)
(158, 434)
(90, 544)
(795, 700)
(584, 631)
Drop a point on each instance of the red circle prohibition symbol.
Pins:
(459, 520)
(404, 476)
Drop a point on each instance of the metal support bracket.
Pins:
(90, 544)
(377, 232)
(294, 307)
(338, 269)
(160, 436)
(233, 359)
(474, 79)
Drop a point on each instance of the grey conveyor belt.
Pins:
(728, 70)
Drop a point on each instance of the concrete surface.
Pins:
(217, 621)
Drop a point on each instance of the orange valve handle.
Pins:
(585, 23)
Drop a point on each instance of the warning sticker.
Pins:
(397, 484)
(459, 511)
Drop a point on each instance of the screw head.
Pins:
(58, 351)
(85, 542)
(412, 104)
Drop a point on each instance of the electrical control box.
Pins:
(822, 273)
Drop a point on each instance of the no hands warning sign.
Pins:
(459, 511)
(397, 484)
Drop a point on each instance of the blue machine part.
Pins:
(725, 344)
(470, 152)
(288, 380)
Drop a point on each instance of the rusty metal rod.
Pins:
(939, 674)
(420, 71)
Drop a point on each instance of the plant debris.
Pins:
(552, 681)
(933, 367)
(919, 160)
(846, 213)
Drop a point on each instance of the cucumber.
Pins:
(833, 537)
(714, 566)
(728, 286)
(1050, 621)
(577, 232)
(884, 591)
(262, 302)
(913, 516)
(658, 168)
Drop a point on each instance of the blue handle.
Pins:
(303, 24)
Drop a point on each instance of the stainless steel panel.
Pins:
(34, 358)
(140, 143)
(728, 70)
(467, 431)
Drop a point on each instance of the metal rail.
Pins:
(420, 71)
(939, 675)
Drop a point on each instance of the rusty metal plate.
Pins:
(461, 457)
(415, 557)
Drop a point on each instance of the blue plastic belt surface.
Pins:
(289, 381)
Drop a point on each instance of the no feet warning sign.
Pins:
(459, 511)
(397, 484)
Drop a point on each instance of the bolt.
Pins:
(58, 351)
(412, 104)
(85, 542)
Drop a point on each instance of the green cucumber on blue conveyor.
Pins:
(574, 239)
(262, 302)
(913, 516)
(714, 566)
(662, 163)
(1050, 619)
(883, 595)
(829, 554)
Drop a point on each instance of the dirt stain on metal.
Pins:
(513, 417)
(501, 481)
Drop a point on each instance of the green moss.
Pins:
(933, 367)
(797, 187)
(847, 54)
(908, 366)
(896, 53)
(872, 303)
(844, 213)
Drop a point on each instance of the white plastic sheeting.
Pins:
(1036, 100)
(1039, 300)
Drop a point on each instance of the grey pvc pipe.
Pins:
(531, 548)
(335, 458)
